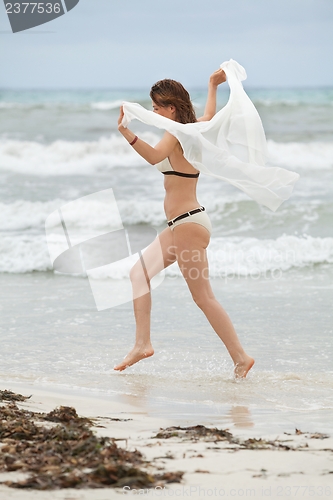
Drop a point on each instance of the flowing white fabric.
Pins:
(231, 146)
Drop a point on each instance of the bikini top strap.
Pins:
(181, 174)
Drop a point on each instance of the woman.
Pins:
(188, 233)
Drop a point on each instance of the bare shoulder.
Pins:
(170, 138)
(170, 142)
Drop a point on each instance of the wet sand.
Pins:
(272, 465)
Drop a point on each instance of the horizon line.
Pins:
(144, 88)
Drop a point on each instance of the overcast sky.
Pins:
(132, 43)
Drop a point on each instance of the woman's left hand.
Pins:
(218, 77)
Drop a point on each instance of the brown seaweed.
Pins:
(263, 444)
(11, 396)
(195, 433)
(200, 432)
(312, 435)
(59, 450)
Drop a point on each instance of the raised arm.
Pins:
(215, 80)
(151, 154)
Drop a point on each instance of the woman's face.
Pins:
(167, 111)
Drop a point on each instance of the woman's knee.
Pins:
(203, 299)
(138, 275)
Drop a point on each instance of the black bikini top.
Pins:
(181, 174)
(165, 166)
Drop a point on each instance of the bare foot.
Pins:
(135, 355)
(241, 369)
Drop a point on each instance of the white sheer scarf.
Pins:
(231, 146)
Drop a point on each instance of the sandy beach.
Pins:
(297, 465)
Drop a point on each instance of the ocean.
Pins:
(273, 272)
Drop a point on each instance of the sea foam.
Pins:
(230, 256)
(70, 158)
(300, 155)
(87, 157)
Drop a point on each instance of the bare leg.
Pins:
(141, 274)
(191, 241)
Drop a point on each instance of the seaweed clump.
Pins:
(59, 450)
(195, 433)
(11, 396)
(207, 434)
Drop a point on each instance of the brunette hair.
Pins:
(171, 93)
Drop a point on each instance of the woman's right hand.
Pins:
(218, 77)
(120, 118)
